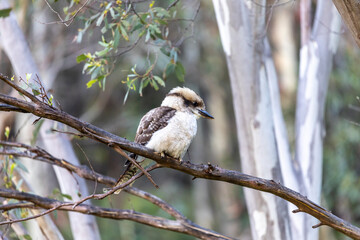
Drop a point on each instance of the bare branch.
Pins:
(41, 155)
(350, 13)
(133, 161)
(207, 171)
(70, 20)
(8, 108)
(180, 226)
(84, 172)
(157, 201)
(11, 221)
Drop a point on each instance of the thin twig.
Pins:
(114, 189)
(121, 152)
(68, 22)
(32, 217)
(172, 5)
(157, 201)
(181, 226)
(41, 109)
(92, 169)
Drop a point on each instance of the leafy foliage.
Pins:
(5, 12)
(122, 28)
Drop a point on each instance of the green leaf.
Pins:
(124, 33)
(161, 12)
(102, 52)
(35, 92)
(143, 17)
(154, 84)
(125, 23)
(116, 38)
(79, 36)
(141, 87)
(66, 10)
(112, 13)
(159, 80)
(81, 58)
(165, 51)
(173, 54)
(28, 76)
(7, 132)
(142, 33)
(137, 27)
(12, 167)
(5, 12)
(126, 95)
(18, 184)
(67, 196)
(106, 26)
(180, 72)
(50, 100)
(168, 70)
(100, 19)
(27, 237)
(21, 165)
(155, 28)
(161, 22)
(147, 37)
(91, 82)
(146, 82)
(36, 132)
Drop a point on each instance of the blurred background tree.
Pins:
(193, 41)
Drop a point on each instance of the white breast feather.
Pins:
(175, 138)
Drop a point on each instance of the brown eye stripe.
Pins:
(187, 102)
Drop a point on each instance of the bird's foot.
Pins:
(162, 154)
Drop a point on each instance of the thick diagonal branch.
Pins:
(207, 171)
(26, 151)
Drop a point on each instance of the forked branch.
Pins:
(207, 171)
(177, 225)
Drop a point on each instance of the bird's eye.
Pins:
(187, 102)
(195, 104)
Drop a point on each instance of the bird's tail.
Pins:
(126, 176)
(130, 171)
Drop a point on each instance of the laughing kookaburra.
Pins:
(170, 128)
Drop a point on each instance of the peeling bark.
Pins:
(15, 46)
(242, 28)
(316, 55)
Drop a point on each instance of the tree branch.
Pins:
(84, 172)
(350, 13)
(181, 226)
(206, 171)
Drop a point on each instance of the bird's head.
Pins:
(186, 100)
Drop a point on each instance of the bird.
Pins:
(168, 129)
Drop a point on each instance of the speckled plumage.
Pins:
(170, 128)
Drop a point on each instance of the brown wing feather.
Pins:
(153, 121)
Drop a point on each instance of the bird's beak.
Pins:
(204, 114)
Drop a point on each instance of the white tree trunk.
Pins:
(316, 55)
(264, 147)
(258, 116)
(16, 48)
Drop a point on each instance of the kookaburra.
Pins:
(170, 128)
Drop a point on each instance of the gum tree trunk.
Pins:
(253, 80)
(263, 143)
(15, 46)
